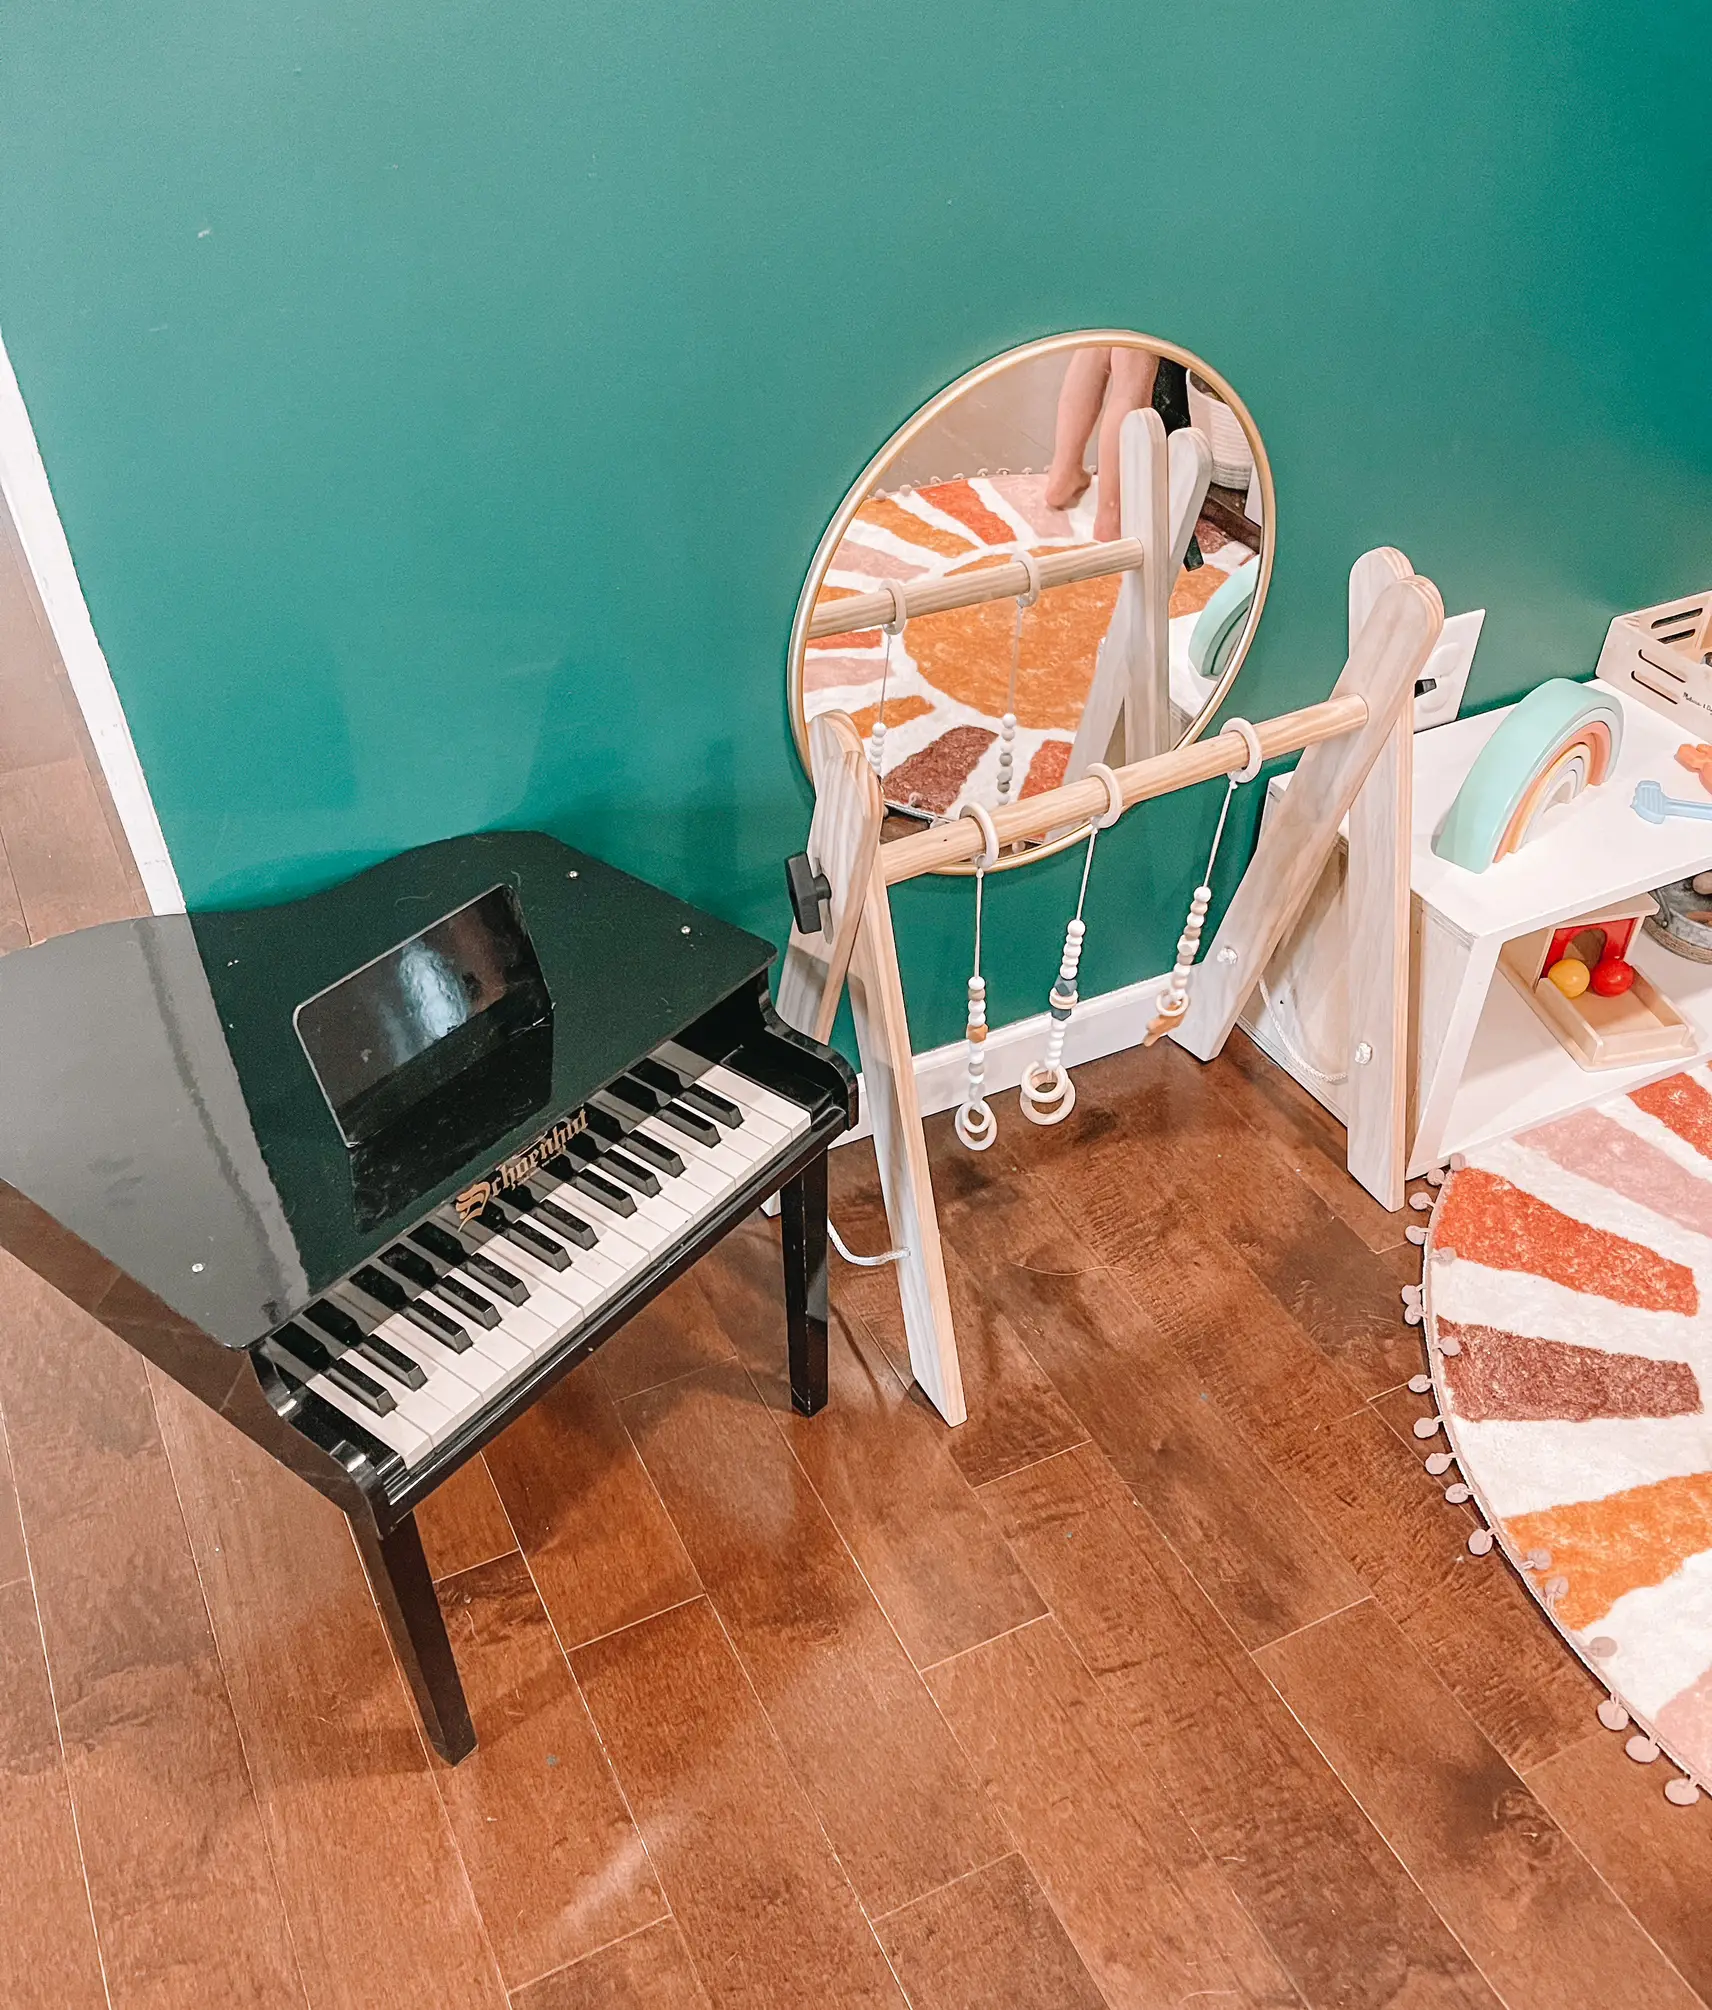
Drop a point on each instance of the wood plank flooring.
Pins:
(1167, 1679)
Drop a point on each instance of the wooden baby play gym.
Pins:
(1355, 764)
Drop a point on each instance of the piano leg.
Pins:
(803, 1206)
(404, 1591)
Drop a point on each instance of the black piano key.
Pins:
(638, 1095)
(384, 1290)
(569, 1225)
(355, 1383)
(603, 1190)
(658, 1155)
(439, 1242)
(637, 1177)
(653, 1073)
(314, 1358)
(605, 1125)
(311, 1353)
(690, 1124)
(496, 1278)
(411, 1265)
(471, 1303)
(382, 1354)
(335, 1322)
(427, 1318)
(513, 1224)
(720, 1108)
(332, 1430)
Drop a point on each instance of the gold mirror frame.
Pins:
(865, 483)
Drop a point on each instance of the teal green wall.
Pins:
(443, 401)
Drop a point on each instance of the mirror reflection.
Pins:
(983, 604)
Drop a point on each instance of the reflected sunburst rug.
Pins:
(1568, 1308)
(948, 680)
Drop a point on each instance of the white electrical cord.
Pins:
(862, 1262)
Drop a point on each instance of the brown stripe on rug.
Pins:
(1602, 1150)
(931, 777)
(1499, 1374)
(1488, 1219)
(1616, 1545)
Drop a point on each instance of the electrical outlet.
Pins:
(1448, 668)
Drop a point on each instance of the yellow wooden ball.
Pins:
(1570, 975)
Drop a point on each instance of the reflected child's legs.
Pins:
(1078, 412)
(1130, 389)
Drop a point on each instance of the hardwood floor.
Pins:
(1167, 1679)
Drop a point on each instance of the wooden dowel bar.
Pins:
(1202, 761)
(969, 589)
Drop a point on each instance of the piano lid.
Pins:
(155, 1097)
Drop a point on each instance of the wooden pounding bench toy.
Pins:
(1603, 1010)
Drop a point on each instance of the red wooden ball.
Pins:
(1612, 976)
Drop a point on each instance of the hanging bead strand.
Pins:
(1008, 724)
(894, 628)
(974, 1122)
(1174, 999)
(1048, 1093)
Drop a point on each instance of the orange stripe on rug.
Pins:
(898, 712)
(1046, 770)
(1489, 1219)
(1499, 1374)
(881, 513)
(1602, 1150)
(1682, 1105)
(1628, 1540)
(958, 499)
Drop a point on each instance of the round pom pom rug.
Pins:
(1568, 1312)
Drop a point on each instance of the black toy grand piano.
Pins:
(377, 1167)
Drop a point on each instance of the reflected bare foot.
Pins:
(1065, 487)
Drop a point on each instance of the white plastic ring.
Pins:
(1251, 740)
(1031, 565)
(900, 608)
(975, 1125)
(987, 858)
(1114, 795)
(1048, 1094)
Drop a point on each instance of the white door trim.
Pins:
(28, 497)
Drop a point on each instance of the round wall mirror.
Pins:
(1059, 559)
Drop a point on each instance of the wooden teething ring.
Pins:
(974, 1122)
(1048, 1094)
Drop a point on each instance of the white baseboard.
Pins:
(1105, 1024)
(25, 492)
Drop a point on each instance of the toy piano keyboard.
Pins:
(1603, 1010)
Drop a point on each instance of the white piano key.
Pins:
(759, 1106)
(561, 1295)
(620, 1233)
(394, 1430)
(725, 1160)
(753, 1140)
(507, 1354)
(592, 1266)
(625, 1253)
(462, 1382)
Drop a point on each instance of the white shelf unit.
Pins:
(1483, 1065)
